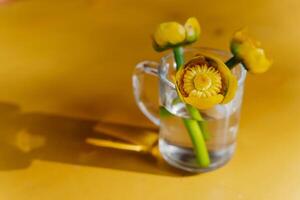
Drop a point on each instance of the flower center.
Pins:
(202, 81)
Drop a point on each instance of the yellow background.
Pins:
(68, 63)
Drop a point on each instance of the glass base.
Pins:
(184, 158)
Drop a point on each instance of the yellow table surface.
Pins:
(67, 63)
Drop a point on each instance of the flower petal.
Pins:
(203, 103)
(192, 29)
(256, 61)
(178, 78)
(231, 89)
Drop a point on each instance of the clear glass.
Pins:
(221, 121)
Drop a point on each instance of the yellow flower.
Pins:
(172, 34)
(249, 52)
(205, 81)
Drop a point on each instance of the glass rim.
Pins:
(221, 52)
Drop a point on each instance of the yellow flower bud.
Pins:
(169, 33)
(172, 34)
(249, 52)
(192, 29)
(205, 81)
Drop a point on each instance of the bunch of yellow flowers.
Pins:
(199, 82)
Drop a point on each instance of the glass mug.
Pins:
(221, 121)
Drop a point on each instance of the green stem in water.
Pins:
(192, 125)
(233, 61)
(163, 112)
(198, 141)
(195, 114)
(204, 128)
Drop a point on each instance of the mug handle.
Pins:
(145, 68)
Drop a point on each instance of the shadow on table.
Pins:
(26, 137)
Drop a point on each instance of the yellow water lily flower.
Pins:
(248, 51)
(205, 81)
(172, 34)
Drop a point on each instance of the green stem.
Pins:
(193, 127)
(195, 114)
(178, 55)
(204, 128)
(196, 136)
(233, 61)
